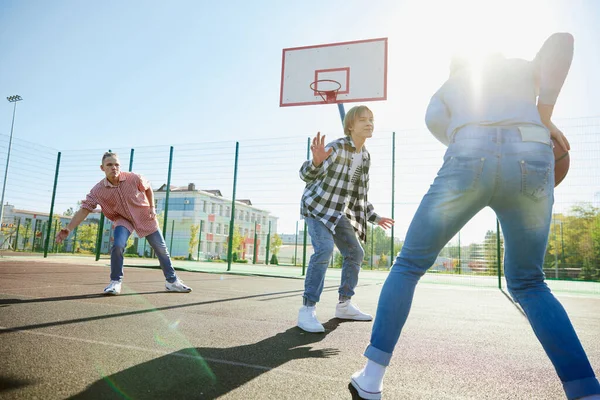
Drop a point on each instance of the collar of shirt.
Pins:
(107, 183)
(363, 151)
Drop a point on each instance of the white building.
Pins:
(189, 206)
(26, 230)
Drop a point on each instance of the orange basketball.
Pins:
(562, 161)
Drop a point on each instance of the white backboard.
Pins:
(360, 67)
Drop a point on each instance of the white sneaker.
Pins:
(177, 286)
(347, 310)
(114, 288)
(307, 320)
(366, 387)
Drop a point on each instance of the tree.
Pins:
(24, 235)
(69, 213)
(383, 261)
(490, 248)
(276, 243)
(193, 243)
(86, 236)
(580, 229)
(237, 245)
(338, 260)
(8, 232)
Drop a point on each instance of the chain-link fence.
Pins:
(196, 184)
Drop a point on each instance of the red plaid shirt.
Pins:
(125, 204)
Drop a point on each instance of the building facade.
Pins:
(211, 211)
(26, 230)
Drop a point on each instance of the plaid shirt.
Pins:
(326, 192)
(126, 204)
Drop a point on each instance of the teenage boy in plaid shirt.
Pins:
(336, 210)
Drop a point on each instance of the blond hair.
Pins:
(351, 116)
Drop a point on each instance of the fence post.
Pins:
(131, 160)
(172, 230)
(393, 192)
(26, 239)
(54, 235)
(255, 255)
(296, 246)
(268, 244)
(100, 236)
(372, 247)
(304, 244)
(100, 232)
(35, 227)
(168, 191)
(52, 205)
(74, 240)
(231, 221)
(499, 261)
(17, 236)
(459, 260)
(199, 240)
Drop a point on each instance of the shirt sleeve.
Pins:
(372, 216)
(437, 118)
(308, 172)
(552, 64)
(90, 203)
(143, 183)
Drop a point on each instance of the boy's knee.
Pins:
(356, 254)
(324, 249)
(117, 249)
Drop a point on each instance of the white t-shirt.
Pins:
(355, 172)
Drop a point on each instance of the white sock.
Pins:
(374, 370)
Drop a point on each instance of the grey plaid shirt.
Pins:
(326, 190)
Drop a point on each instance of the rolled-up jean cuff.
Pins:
(581, 388)
(378, 356)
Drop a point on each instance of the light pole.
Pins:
(12, 99)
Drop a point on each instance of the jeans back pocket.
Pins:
(461, 173)
(535, 179)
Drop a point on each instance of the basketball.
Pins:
(562, 161)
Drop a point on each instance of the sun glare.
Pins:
(474, 29)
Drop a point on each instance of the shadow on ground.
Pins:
(208, 372)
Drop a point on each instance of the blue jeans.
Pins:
(489, 166)
(155, 240)
(322, 241)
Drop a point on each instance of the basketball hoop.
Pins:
(328, 95)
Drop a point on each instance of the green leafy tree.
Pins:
(86, 237)
(578, 235)
(193, 243)
(383, 261)
(490, 249)
(237, 245)
(338, 260)
(276, 243)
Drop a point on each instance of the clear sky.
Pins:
(121, 74)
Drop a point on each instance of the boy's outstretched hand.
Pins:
(385, 223)
(318, 150)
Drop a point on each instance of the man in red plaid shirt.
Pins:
(127, 200)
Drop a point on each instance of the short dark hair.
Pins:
(109, 154)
